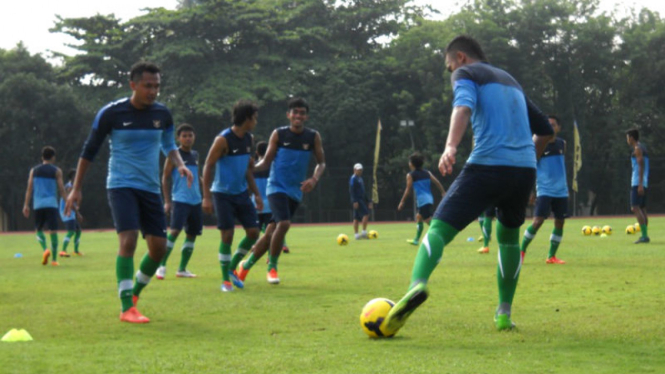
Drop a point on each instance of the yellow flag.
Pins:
(577, 165)
(375, 186)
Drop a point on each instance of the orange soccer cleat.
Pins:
(132, 315)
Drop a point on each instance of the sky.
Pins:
(29, 21)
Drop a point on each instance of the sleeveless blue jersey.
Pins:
(422, 187)
(136, 136)
(635, 179)
(356, 189)
(289, 168)
(230, 174)
(180, 191)
(72, 214)
(551, 172)
(44, 186)
(499, 117)
(261, 179)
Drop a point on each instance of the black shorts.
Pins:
(48, 217)
(490, 212)
(135, 209)
(361, 212)
(557, 205)
(229, 207)
(188, 216)
(636, 199)
(263, 220)
(72, 225)
(283, 207)
(479, 186)
(425, 211)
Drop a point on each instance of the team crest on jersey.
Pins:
(157, 123)
(305, 146)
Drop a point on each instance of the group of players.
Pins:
(510, 135)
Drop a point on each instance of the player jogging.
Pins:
(71, 221)
(359, 201)
(639, 182)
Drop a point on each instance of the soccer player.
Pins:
(71, 221)
(551, 193)
(138, 127)
(288, 154)
(421, 181)
(500, 171)
(183, 202)
(44, 185)
(485, 221)
(230, 160)
(639, 182)
(361, 207)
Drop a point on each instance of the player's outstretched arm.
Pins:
(309, 184)
(459, 119)
(218, 149)
(271, 152)
(407, 191)
(60, 183)
(179, 164)
(166, 184)
(28, 196)
(75, 196)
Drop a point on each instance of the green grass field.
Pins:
(602, 312)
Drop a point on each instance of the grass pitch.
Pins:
(602, 312)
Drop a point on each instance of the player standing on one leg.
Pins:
(138, 127)
(185, 203)
(500, 171)
(71, 221)
(44, 185)
(551, 193)
(361, 206)
(421, 181)
(288, 155)
(639, 182)
(230, 160)
(485, 221)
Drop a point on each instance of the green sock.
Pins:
(555, 240)
(77, 240)
(225, 260)
(487, 231)
(41, 239)
(243, 248)
(529, 234)
(481, 220)
(419, 231)
(54, 246)
(644, 230)
(510, 262)
(431, 250)
(65, 241)
(186, 253)
(272, 262)
(146, 271)
(170, 243)
(124, 271)
(251, 260)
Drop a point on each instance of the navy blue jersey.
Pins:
(261, 179)
(357, 189)
(230, 174)
(136, 136)
(44, 186)
(289, 169)
(501, 117)
(422, 187)
(551, 172)
(635, 178)
(179, 190)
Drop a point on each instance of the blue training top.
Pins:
(422, 187)
(179, 189)
(72, 214)
(289, 169)
(44, 186)
(635, 179)
(500, 116)
(261, 179)
(357, 189)
(136, 138)
(230, 174)
(551, 172)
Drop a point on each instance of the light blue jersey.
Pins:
(261, 179)
(180, 191)
(231, 170)
(289, 169)
(44, 186)
(72, 214)
(422, 187)
(635, 179)
(551, 172)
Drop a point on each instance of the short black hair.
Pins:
(554, 117)
(261, 148)
(417, 160)
(298, 102)
(137, 70)
(71, 174)
(243, 110)
(184, 127)
(48, 153)
(633, 133)
(468, 45)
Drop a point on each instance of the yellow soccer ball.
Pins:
(373, 234)
(373, 315)
(586, 230)
(596, 230)
(630, 229)
(637, 227)
(607, 230)
(342, 239)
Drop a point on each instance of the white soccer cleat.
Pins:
(161, 272)
(185, 274)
